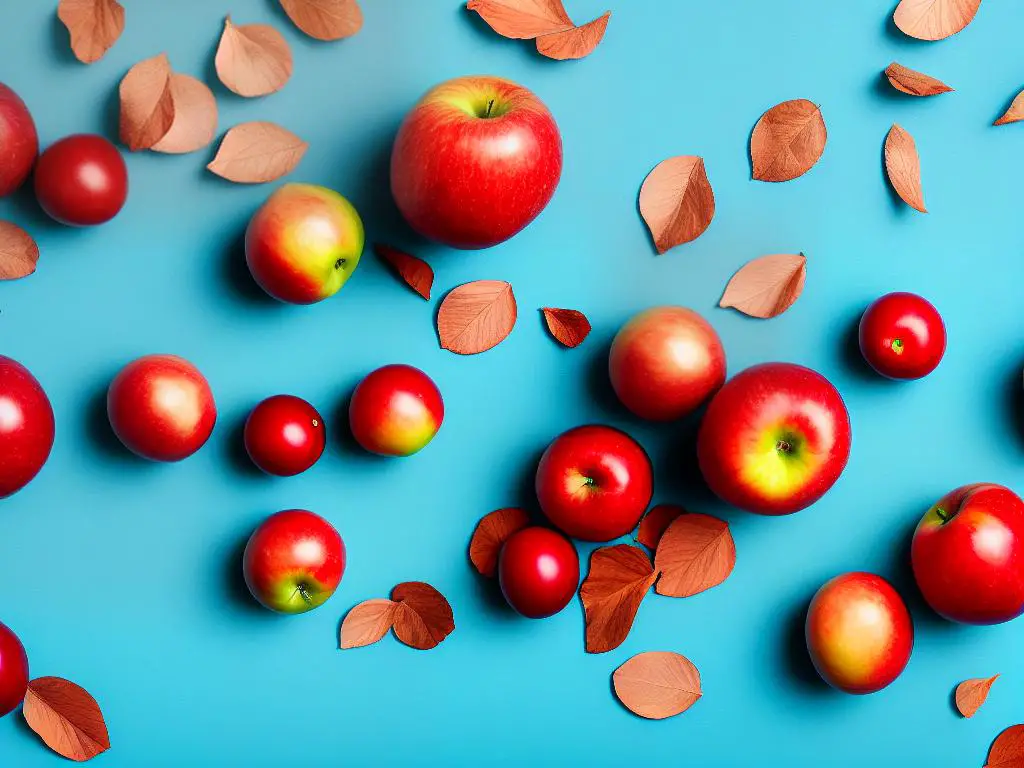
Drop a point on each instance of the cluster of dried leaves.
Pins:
(419, 615)
(544, 21)
(66, 717)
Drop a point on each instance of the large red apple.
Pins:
(19, 143)
(665, 362)
(475, 161)
(594, 483)
(774, 439)
(968, 555)
(13, 671)
(26, 426)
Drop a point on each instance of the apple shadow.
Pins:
(796, 661)
(101, 434)
(1014, 390)
(235, 452)
(238, 280)
(344, 441)
(599, 384)
(677, 469)
(235, 588)
(852, 360)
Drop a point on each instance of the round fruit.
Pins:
(161, 407)
(538, 570)
(26, 426)
(19, 143)
(81, 180)
(395, 410)
(902, 336)
(284, 435)
(13, 671)
(665, 362)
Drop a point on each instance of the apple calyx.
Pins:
(340, 263)
(784, 446)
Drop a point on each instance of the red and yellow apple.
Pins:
(13, 671)
(19, 143)
(26, 426)
(774, 439)
(395, 411)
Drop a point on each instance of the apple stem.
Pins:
(490, 106)
(304, 594)
(897, 346)
(943, 514)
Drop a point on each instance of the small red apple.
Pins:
(968, 555)
(19, 143)
(13, 671)
(395, 411)
(284, 435)
(475, 161)
(26, 426)
(538, 570)
(81, 180)
(902, 336)
(594, 483)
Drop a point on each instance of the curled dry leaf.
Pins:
(934, 19)
(787, 141)
(490, 535)
(147, 105)
(574, 43)
(94, 26)
(1015, 112)
(325, 19)
(367, 623)
(570, 327)
(523, 19)
(619, 578)
(676, 201)
(971, 694)
(695, 553)
(767, 286)
(423, 618)
(914, 83)
(66, 718)
(657, 684)
(253, 153)
(253, 59)
(903, 166)
(195, 117)
(476, 316)
(18, 252)
(415, 271)
(656, 522)
(1007, 750)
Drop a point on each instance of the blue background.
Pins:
(123, 575)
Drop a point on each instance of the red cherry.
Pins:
(26, 426)
(902, 336)
(538, 570)
(81, 180)
(284, 435)
(13, 671)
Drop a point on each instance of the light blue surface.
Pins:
(122, 575)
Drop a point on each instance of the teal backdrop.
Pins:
(124, 576)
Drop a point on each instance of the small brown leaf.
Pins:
(254, 153)
(523, 19)
(367, 623)
(94, 25)
(195, 117)
(18, 252)
(325, 19)
(914, 83)
(767, 286)
(147, 105)
(695, 553)
(1007, 750)
(971, 694)
(1015, 112)
(490, 535)
(934, 19)
(619, 578)
(476, 316)
(569, 326)
(66, 718)
(656, 522)
(787, 141)
(903, 166)
(657, 684)
(676, 201)
(253, 59)
(423, 617)
(574, 43)
(416, 273)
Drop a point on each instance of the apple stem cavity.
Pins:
(944, 516)
(304, 594)
(339, 263)
(783, 446)
(897, 346)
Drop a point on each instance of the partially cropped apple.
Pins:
(19, 143)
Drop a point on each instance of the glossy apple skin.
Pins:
(19, 142)
(293, 561)
(774, 439)
(902, 336)
(395, 411)
(304, 243)
(859, 633)
(470, 178)
(594, 483)
(161, 407)
(26, 426)
(968, 555)
(284, 435)
(538, 570)
(665, 362)
(13, 671)
(81, 180)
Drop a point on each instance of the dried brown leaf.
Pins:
(325, 19)
(695, 553)
(476, 316)
(416, 273)
(195, 117)
(1015, 112)
(254, 153)
(971, 694)
(423, 618)
(619, 578)
(787, 141)
(367, 623)
(94, 26)
(523, 19)
(903, 166)
(1007, 750)
(914, 83)
(657, 684)
(676, 201)
(18, 252)
(570, 327)
(66, 718)
(656, 522)
(934, 19)
(147, 104)
(490, 535)
(574, 43)
(253, 59)
(767, 286)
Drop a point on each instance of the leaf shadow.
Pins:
(60, 42)
(883, 90)
(896, 35)
(21, 725)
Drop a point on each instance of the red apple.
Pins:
(293, 561)
(859, 633)
(26, 426)
(19, 143)
(284, 435)
(902, 336)
(968, 555)
(774, 439)
(538, 570)
(161, 407)
(594, 483)
(665, 362)
(395, 411)
(81, 180)
(475, 161)
(13, 671)
(304, 243)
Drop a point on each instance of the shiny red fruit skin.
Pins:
(968, 559)
(284, 435)
(161, 407)
(538, 570)
(594, 483)
(26, 426)
(902, 336)
(81, 180)
(395, 410)
(19, 143)
(13, 671)
(665, 362)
